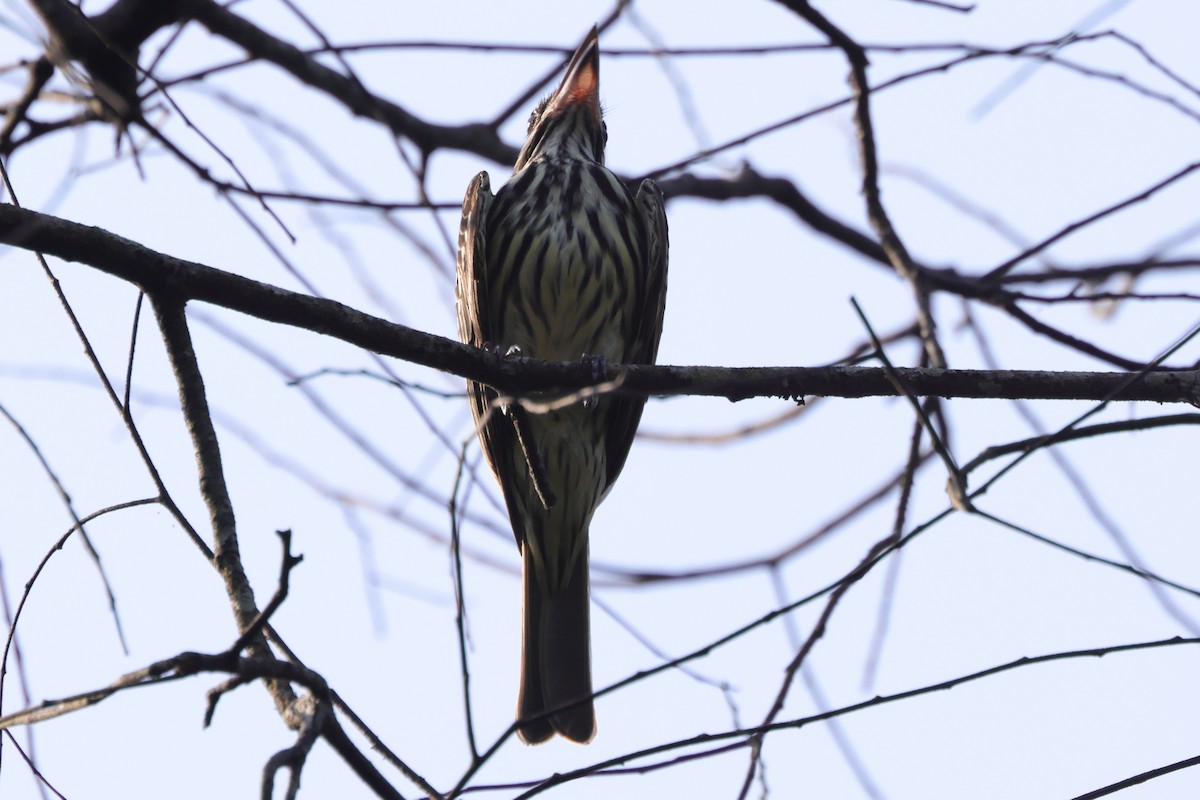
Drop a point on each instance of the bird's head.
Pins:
(569, 123)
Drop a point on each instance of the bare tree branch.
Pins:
(158, 273)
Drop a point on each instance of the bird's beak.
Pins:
(581, 84)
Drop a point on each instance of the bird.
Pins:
(562, 263)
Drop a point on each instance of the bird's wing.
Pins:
(626, 412)
(471, 288)
(652, 208)
(475, 327)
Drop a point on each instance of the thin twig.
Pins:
(460, 606)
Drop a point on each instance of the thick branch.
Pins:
(160, 274)
(305, 67)
(226, 554)
(749, 183)
(893, 246)
(107, 45)
(783, 191)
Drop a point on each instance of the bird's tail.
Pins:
(556, 666)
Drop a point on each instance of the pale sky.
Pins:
(372, 608)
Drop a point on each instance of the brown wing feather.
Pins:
(475, 327)
(472, 308)
(625, 412)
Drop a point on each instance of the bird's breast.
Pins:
(564, 250)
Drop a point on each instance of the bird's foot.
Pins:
(598, 365)
(499, 351)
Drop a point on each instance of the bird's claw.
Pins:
(598, 364)
(599, 367)
(499, 351)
